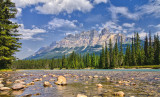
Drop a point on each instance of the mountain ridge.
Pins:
(89, 41)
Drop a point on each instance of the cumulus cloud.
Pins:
(129, 25)
(56, 6)
(28, 34)
(59, 23)
(123, 11)
(100, 1)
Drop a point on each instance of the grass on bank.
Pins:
(141, 67)
(5, 70)
(122, 67)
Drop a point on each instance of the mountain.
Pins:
(90, 41)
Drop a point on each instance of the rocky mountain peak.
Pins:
(105, 31)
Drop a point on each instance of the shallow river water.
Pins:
(133, 82)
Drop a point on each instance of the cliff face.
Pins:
(90, 41)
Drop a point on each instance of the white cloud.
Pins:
(129, 25)
(19, 12)
(28, 34)
(158, 32)
(158, 26)
(123, 11)
(153, 8)
(142, 34)
(100, 1)
(59, 23)
(56, 6)
(113, 27)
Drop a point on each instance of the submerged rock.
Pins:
(44, 75)
(37, 79)
(95, 76)
(61, 80)
(18, 86)
(119, 93)
(4, 88)
(99, 85)
(52, 80)
(47, 84)
(81, 95)
(17, 92)
(107, 78)
(90, 77)
(1, 85)
(8, 82)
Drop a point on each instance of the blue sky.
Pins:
(45, 21)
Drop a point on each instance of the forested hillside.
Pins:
(111, 56)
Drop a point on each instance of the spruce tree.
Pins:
(8, 33)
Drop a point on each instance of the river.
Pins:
(133, 82)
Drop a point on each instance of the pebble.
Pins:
(81, 95)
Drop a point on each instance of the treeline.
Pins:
(138, 53)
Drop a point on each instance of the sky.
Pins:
(45, 21)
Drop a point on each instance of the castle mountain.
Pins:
(84, 42)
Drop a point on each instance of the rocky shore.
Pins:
(79, 83)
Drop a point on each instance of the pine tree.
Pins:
(107, 60)
(116, 54)
(134, 63)
(64, 61)
(150, 50)
(121, 53)
(103, 58)
(110, 50)
(146, 50)
(137, 48)
(93, 62)
(8, 33)
(113, 61)
(157, 50)
(128, 56)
